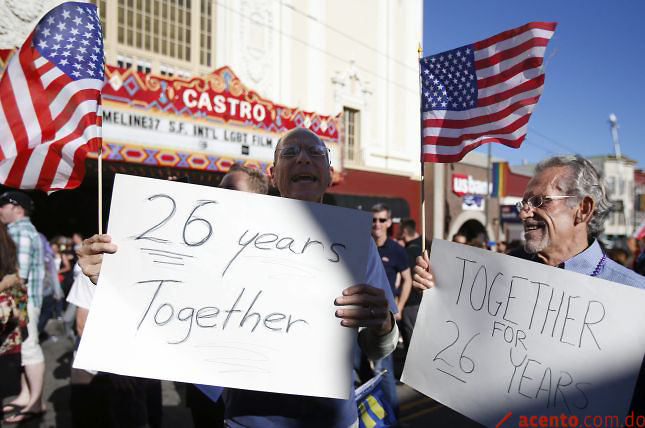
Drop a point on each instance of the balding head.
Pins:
(301, 167)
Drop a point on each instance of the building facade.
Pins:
(316, 56)
(461, 198)
(618, 174)
(354, 63)
(639, 198)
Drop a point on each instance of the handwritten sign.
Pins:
(225, 288)
(499, 334)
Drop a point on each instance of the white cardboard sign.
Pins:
(225, 288)
(500, 334)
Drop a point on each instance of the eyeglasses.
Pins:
(537, 201)
(294, 150)
(380, 220)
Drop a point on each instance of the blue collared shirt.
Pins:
(591, 260)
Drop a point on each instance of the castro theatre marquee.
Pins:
(203, 123)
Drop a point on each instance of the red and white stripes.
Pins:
(48, 123)
(510, 77)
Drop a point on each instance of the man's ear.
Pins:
(270, 174)
(331, 175)
(585, 210)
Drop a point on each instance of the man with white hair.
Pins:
(563, 210)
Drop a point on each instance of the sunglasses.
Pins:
(380, 220)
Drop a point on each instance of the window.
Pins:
(162, 26)
(352, 125)
(166, 71)
(611, 185)
(101, 6)
(205, 32)
(124, 61)
(143, 66)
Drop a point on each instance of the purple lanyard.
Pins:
(599, 266)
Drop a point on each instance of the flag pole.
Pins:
(100, 160)
(423, 183)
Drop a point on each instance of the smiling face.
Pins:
(552, 226)
(381, 221)
(303, 176)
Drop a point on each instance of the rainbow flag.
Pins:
(500, 171)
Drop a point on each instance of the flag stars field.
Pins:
(56, 119)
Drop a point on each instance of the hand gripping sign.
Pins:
(225, 288)
(500, 334)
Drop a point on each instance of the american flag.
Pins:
(482, 93)
(50, 101)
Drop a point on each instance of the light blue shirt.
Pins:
(590, 260)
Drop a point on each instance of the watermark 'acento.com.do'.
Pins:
(563, 420)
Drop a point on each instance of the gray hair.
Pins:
(583, 180)
(377, 208)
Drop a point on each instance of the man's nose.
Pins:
(526, 212)
(303, 156)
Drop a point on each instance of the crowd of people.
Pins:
(37, 274)
(563, 211)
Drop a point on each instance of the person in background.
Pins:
(478, 241)
(619, 255)
(413, 245)
(52, 291)
(205, 412)
(13, 321)
(15, 209)
(77, 242)
(245, 179)
(106, 400)
(395, 261)
(502, 247)
(634, 248)
(459, 238)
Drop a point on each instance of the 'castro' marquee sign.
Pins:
(205, 122)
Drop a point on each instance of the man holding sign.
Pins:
(301, 171)
(563, 211)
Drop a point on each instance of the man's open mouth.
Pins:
(529, 227)
(303, 178)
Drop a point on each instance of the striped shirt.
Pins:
(31, 262)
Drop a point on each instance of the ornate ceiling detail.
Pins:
(19, 17)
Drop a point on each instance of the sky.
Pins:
(595, 65)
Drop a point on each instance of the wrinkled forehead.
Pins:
(547, 182)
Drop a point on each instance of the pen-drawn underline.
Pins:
(168, 263)
(164, 251)
(165, 255)
(452, 375)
